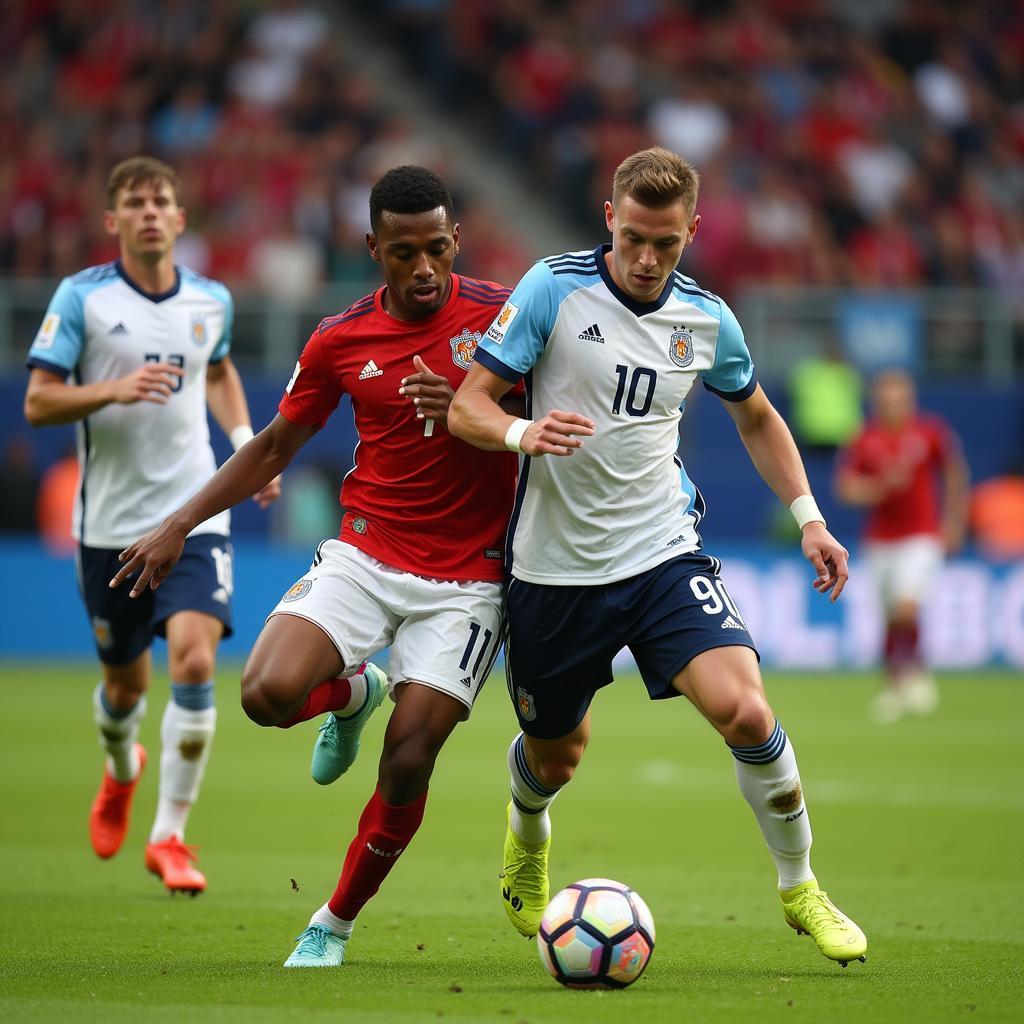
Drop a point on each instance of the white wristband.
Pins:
(514, 434)
(240, 435)
(805, 510)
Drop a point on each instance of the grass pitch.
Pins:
(918, 828)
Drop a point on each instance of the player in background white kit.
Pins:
(146, 344)
(605, 550)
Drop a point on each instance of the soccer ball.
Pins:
(596, 934)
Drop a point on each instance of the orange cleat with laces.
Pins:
(172, 860)
(108, 818)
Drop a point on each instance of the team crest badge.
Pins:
(198, 331)
(680, 346)
(527, 709)
(299, 590)
(360, 525)
(464, 347)
(103, 633)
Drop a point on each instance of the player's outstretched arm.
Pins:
(476, 416)
(252, 467)
(774, 453)
(50, 400)
(226, 398)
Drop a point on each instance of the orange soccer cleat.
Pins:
(108, 818)
(172, 860)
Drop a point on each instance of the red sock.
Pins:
(902, 647)
(384, 832)
(329, 695)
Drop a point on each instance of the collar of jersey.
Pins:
(453, 294)
(636, 308)
(157, 297)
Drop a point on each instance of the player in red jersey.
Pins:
(419, 562)
(893, 469)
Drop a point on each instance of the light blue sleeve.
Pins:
(732, 375)
(224, 345)
(516, 338)
(59, 341)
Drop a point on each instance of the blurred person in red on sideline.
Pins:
(893, 469)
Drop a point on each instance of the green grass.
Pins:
(918, 830)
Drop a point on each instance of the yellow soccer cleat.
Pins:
(811, 912)
(524, 881)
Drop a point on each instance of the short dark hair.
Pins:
(137, 170)
(409, 189)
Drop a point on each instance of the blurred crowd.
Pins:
(870, 142)
(873, 142)
(276, 140)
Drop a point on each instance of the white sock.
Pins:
(360, 689)
(770, 780)
(186, 736)
(530, 799)
(337, 925)
(118, 736)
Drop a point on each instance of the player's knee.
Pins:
(751, 722)
(261, 699)
(405, 769)
(553, 772)
(194, 666)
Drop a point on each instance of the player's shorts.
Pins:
(562, 639)
(123, 627)
(904, 570)
(443, 634)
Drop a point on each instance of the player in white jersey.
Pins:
(605, 551)
(146, 343)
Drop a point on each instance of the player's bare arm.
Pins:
(774, 453)
(226, 398)
(51, 401)
(476, 416)
(251, 468)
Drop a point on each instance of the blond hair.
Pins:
(657, 178)
(138, 170)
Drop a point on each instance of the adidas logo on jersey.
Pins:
(370, 370)
(731, 623)
(591, 333)
(466, 680)
(118, 328)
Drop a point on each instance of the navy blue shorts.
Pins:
(562, 639)
(124, 627)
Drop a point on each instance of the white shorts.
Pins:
(904, 570)
(443, 634)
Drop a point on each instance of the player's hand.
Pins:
(151, 382)
(429, 392)
(269, 493)
(558, 433)
(152, 557)
(829, 558)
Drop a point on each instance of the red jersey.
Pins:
(911, 458)
(435, 506)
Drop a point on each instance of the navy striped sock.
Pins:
(193, 696)
(764, 753)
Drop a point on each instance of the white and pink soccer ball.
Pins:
(596, 934)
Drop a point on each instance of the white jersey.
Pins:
(137, 463)
(623, 503)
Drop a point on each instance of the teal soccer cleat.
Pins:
(317, 947)
(338, 741)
